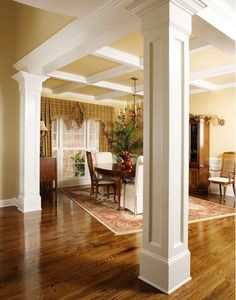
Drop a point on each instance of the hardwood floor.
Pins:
(64, 253)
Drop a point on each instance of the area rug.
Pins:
(125, 222)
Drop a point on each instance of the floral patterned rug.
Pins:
(125, 222)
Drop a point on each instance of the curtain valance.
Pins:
(52, 109)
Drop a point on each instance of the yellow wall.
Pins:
(35, 26)
(223, 103)
(9, 104)
(22, 28)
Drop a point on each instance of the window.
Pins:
(69, 144)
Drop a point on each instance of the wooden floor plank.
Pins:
(64, 253)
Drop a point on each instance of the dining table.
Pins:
(118, 172)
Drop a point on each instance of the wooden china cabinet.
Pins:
(198, 153)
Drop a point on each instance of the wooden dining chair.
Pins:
(227, 173)
(98, 182)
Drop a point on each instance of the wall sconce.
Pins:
(218, 119)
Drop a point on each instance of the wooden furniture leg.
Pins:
(209, 188)
(118, 189)
(96, 194)
(225, 189)
(220, 190)
(233, 184)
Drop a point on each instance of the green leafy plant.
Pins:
(79, 162)
(125, 137)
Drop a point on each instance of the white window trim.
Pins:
(70, 181)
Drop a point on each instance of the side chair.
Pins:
(227, 174)
(96, 182)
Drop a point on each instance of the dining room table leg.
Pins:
(118, 190)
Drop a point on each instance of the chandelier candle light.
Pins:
(134, 113)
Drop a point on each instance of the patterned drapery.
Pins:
(52, 109)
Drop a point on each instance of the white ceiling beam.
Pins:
(213, 36)
(68, 76)
(111, 73)
(79, 38)
(114, 86)
(226, 86)
(203, 85)
(102, 84)
(119, 56)
(197, 44)
(111, 95)
(69, 87)
(221, 70)
(198, 91)
(219, 15)
(79, 96)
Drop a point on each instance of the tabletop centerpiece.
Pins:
(126, 141)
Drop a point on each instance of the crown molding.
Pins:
(141, 7)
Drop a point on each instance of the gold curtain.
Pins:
(52, 109)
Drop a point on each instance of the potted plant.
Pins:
(125, 139)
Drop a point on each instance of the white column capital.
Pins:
(28, 81)
(141, 7)
(165, 14)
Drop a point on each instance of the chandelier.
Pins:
(134, 111)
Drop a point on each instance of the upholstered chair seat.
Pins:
(132, 192)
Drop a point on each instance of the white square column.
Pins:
(165, 258)
(30, 87)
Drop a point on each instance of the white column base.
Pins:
(165, 275)
(28, 203)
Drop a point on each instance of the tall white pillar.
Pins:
(165, 258)
(30, 87)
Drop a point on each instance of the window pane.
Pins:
(68, 163)
(93, 134)
(79, 140)
(67, 140)
(79, 160)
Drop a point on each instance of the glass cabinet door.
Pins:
(193, 143)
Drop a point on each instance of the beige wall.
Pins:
(35, 26)
(223, 103)
(9, 104)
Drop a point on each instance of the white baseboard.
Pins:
(8, 202)
(215, 163)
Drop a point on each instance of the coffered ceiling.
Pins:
(102, 67)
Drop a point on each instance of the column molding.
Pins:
(165, 258)
(30, 87)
